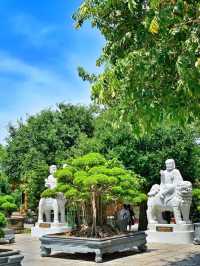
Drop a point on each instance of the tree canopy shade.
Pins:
(151, 58)
(145, 155)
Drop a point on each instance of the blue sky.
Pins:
(39, 54)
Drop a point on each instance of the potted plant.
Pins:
(7, 206)
(90, 183)
(8, 257)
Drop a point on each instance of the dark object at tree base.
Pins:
(120, 243)
(10, 258)
(196, 234)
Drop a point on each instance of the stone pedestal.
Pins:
(16, 222)
(49, 228)
(170, 233)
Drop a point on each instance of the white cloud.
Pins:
(31, 89)
(33, 30)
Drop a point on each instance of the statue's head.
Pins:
(170, 164)
(52, 169)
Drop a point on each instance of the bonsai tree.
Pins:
(2, 224)
(7, 204)
(91, 180)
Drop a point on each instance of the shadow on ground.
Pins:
(192, 260)
(91, 256)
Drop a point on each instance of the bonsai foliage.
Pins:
(152, 59)
(93, 180)
(7, 204)
(2, 224)
(49, 193)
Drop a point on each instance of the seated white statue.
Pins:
(46, 205)
(173, 194)
(51, 181)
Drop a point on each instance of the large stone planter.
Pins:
(61, 243)
(16, 222)
(10, 258)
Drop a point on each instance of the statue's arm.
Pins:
(177, 177)
(162, 178)
(154, 190)
(47, 183)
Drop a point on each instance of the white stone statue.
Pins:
(173, 194)
(46, 205)
(51, 181)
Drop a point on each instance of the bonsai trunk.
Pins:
(25, 202)
(99, 210)
(84, 213)
(94, 213)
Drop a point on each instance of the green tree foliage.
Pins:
(196, 203)
(4, 185)
(151, 58)
(7, 204)
(145, 155)
(44, 139)
(91, 179)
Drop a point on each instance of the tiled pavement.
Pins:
(157, 255)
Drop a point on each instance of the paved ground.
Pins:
(157, 255)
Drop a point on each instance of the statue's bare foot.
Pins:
(181, 222)
(153, 222)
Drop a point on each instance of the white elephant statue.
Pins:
(179, 203)
(56, 205)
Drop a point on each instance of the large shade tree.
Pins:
(151, 59)
(144, 155)
(4, 185)
(42, 140)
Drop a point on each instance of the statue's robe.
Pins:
(51, 182)
(169, 182)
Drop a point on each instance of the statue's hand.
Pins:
(46, 183)
(162, 173)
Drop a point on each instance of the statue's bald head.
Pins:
(170, 164)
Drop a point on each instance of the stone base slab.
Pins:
(174, 227)
(170, 233)
(49, 228)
